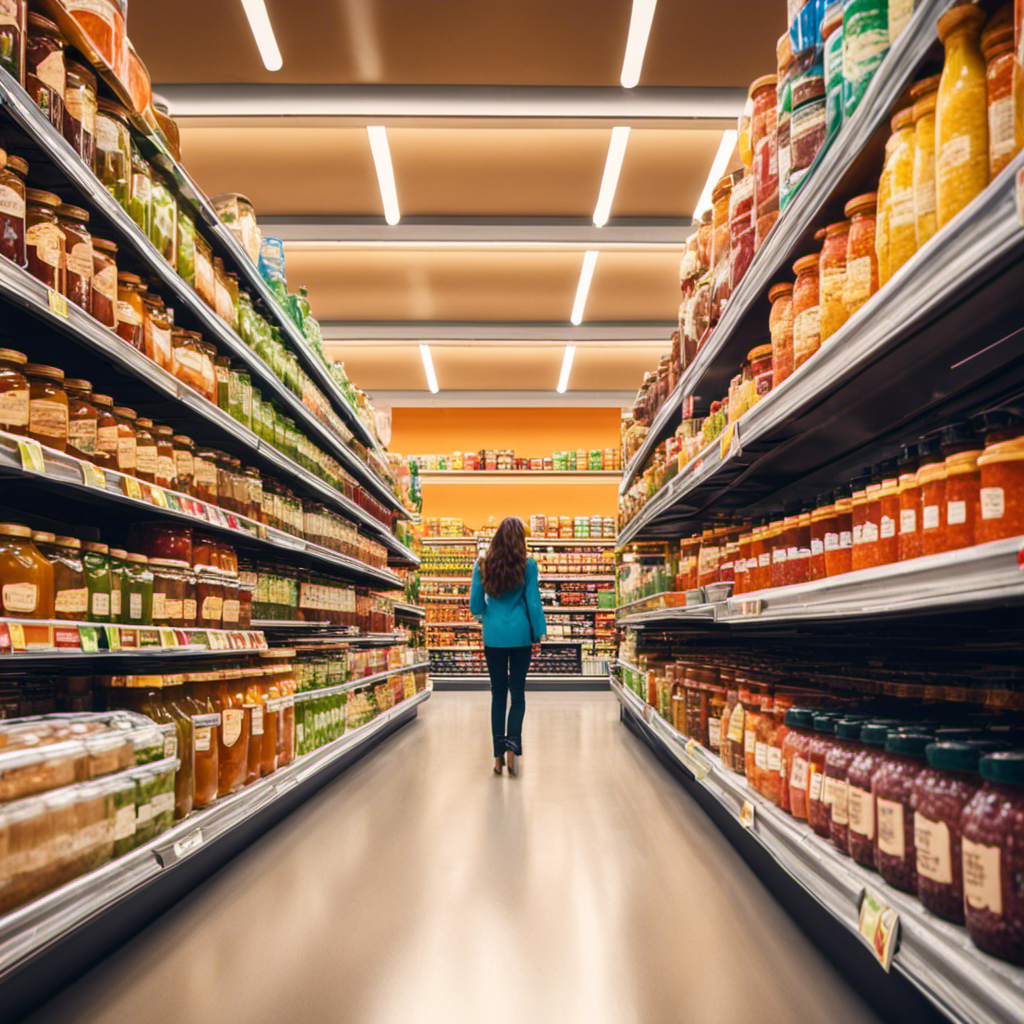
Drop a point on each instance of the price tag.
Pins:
(93, 476)
(150, 638)
(31, 452)
(879, 925)
(726, 441)
(750, 608)
(129, 638)
(232, 521)
(191, 843)
(17, 634)
(172, 501)
(158, 497)
(747, 814)
(218, 640)
(167, 637)
(58, 303)
(89, 638)
(5, 638)
(67, 636)
(131, 487)
(113, 634)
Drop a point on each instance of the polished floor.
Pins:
(419, 889)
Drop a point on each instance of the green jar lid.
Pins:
(849, 728)
(1006, 766)
(800, 718)
(825, 723)
(954, 756)
(912, 744)
(959, 734)
(875, 733)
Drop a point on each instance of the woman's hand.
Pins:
(536, 647)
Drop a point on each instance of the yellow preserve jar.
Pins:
(961, 114)
(901, 216)
(924, 93)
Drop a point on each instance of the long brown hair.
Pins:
(503, 568)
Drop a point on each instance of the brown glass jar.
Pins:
(14, 392)
(73, 221)
(184, 463)
(225, 486)
(145, 450)
(210, 598)
(187, 363)
(45, 74)
(104, 282)
(254, 490)
(44, 239)
(166, 474)
(47, 406)
(127, 459)
(156, 330)
(70, 594)
(13, 30)
(191, 607)
(80, 107)
(26, 577)
(106, 431)
(12, 209)
(205, 475)
(130, 311)
(170, 580)
(83, 419)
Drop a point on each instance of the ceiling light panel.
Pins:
(610, 180)
(583, 288)
(428, 368)
(636, 43)
(263, 33)
(563, 378)
(378, 136)
(721, 162)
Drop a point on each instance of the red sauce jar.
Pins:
(888, 513)
(773, 779)
(931, 479)
(14, 392)
(777, 546)
(839, 535)
(822, 521)
(908, 494)
(861, 280)
(806, 310)
(891, 786)
(822, 741)
(1001, 490)
(798, 550)
(45, 74)
(759, 566)
(862, 829)
(865, 554)
(741, 567)
(963, 488)
(164, 540)
(858, 517)
(837, 779)
(992, 828)
(44, 239)
(795, 752)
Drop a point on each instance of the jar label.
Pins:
(899, 14)
(20, 598)
(174, 608)
(159, 606)
(735, 732)
(1001, 138)
(924, 198)
(954, 152)
(9, 10)
(213, 608)
(845, 539)
(231, 725)
(814, 785)
(858, 533)
(100, 605)
(773, 758)
(983, 888)
(125, 453)
(71, 602)
(12, 204)
(189, 606)
(908, 520)
(862, 48)
(930, 518)
(779, 555)
(142, 188)
(956, 513)
(798, 772)
(934, 855)
(48, 241)
(127, 313)
(108, 138)
(862, 812)
(749, 740)
(869, 533)
(135, 607)
(82, 434)
(124, 822)
(106, 439)
(817, 546)
(857, 287)
(205, 473)
(256, 721)
(105, 282)
(145, 459)
(890, 828)
(831, 542)
(837, 796)
(79, 260)
(993, 503)
(48, 418)
(806, 333)
(165, 469)
(764, 559)
(144, 813)
(714, 733)
(51, 72)
(761, 755)
(902, 210)
(888, 528)
(204, 735)
(14, 408)
(231, 611)
(115, 601)
(82, 107)
(184, 466)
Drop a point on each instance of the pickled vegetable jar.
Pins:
(70, 596)
(861, 260)
(95, 558)
(806, 310)
(832, 278)
(140, 191)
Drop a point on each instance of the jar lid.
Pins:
(826, 722)
(182, 439)
(73, 67)
(118, 553)
(136, 558)
(962, 462)
(806, 264)
(957, 433)
(925, 86)
(91, 545)
(778, 290)
(838, 228)
(141, 421)
(124, 413)
(929, 444)
(1002, 418)
(104, 400)
(759, 353)
(1006, 766)
(931, 472)
(908, 455)
(73, 384)
(43, 537)
(800, 718)
(865, 203)
(18, 164)
(41, 198)
(759, 83)
(12, 355)
(964, 15)
(886, 468)
(876, 731)
(902, 119)
(169, 563)
(849, 728)
(164, 431)
(125, 277)
(960, 755)
(110, 248)
(73, 212)
(38, 21)
(15, 530)
(49, 372)
(912, 744)
(69, 542)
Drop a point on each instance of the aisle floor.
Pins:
(418, 888)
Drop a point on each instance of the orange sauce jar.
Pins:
(859, 558)
(909, 497)
(780, 326)
(887, 550)
(839, 535)
(931, 479)
(1001, 494)
(832, 278)
(806, 310)
(822, 518)
(963, 487)
(776, 544)
(130, 311)
(861, 280)
(206, 725)
(14, 392)
(233, 734)
(26, 577)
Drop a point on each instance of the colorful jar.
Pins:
(80, 110)
(839, 535)
(1001, 494)
(104, 282)
(832, 41)
(44, 239)
(832, 278)
(997, 50)
(112, 150)
(806, 310)
(865, 44)
(83, 418)
(900, 215)
(26, 577)
(766, 165)
(822, 518)
(78, 257)
(861, 260)
(925, 94)
(931, 479)
(45, 75)
(838, 759)
(892, 786)
(962, 496)
(131, 313)
(781, 328)
(795, 752)
(13, 32)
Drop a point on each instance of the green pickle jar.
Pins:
(163, 231)
(95, 559)
(137, 591)
(140, 196)
(186, 248)
(116, 558)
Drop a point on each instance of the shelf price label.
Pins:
(89, 639)
(158, 496)
(167, 637)
(58, 303)
(747, 814)
(93, 476)
(751, 608)
(879, 926)
(113, 634)
(131, 487)
(31, 452)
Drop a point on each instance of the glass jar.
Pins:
(993, 861)
(900, 215)
(931, 479)
(225, 488)
(764, 145)
(26, 577)
(780, 551)
(103, 301)
(997, 49)
(170, 577)
(80, 110)
(127, 459)
(113, 149)
(808, 125)
(45, 75)
(14, 392)
(909, 498)
(806, 310)
(741, 241)
(164, 226)
(832, 278)
(156, 330)
(130, 310)
(837, 787)
(96, 560)
(233, 735)
(106, 431)
(865, 43)
(205, 283)
(205, 723)
(962, 495)
(961, 114)
(13, 32)
(165, 472)
(231, 610)
(205, 475)
(208, 352)
(83, 419)
(187, 360)
(887, 548)
(137, 591)
(117, 562)
(186, 248)
(145, 450)
(822, 523)
(254, 488)
(861, 831)
(103, 22)
(891, 786)
(781, 328)
(70, 596)
(795, 751)
(47, 406)
(1001, 494)
(164, 540)
(73, 222)
(184, 463)
(140, 191)
(12, 207)
(819, 807)
(44, 239)
(832, 45)
(210, 598)
(924, 93)
(861, 261)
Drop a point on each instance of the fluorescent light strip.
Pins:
(263, 33)
(636, 43)
(612, 166)
(725, 148)
(586, 273)
(428, 367)
(563, 380)
(378, 136)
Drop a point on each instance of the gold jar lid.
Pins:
(73, 384)
(43, 537)
(15, 530)
(48, 372)
(12, 355)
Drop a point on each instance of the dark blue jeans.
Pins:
(507, 667)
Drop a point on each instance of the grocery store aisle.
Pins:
(418, 887)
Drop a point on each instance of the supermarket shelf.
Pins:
(945, 323)
(454, 625)
(34, 939)
(64, 475)
(36, 125)
(964, 983)
(449, 540)
(446, 579)
(294, 625)
(568, 542)
(533, 682)
(358, 684)
(581, 578)
(517, 476)
(837, 167)
(692, 613)
(412, 611)
(570, 608)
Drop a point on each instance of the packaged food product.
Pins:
(806, 310)
(164, 227)
(861, 260)
(900, 216)
(80, 110)
(839, 535)
(819, 797)
(28, 770)
(12, 205)
(112, 149)
(909, 497)
(70, 596)
(13, 31)
(838, 759)
(781, 328)
(865, 44)
(26, 577)
(44, 239)
(832, 41)
(47, 406)
(14, 392)
(1001, 493)
(103, 21)
(45, 76)
(862, 827)
(795, 752)
(832, 279)
(808, 128)
(238, 213)
(764, 145)
(741, 229)
(78, 260)
(925, 94)
(127, 445)
(130, 310)
(931, 480)
(140, 190)
(96, 560)
(104, 282)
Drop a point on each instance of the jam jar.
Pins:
(166, 475)
(137, 591)
(145, 450)
(83, 419)
(210, 597)
(13, 32)
(939, 796)
(170, 578)
(14, 392)
(106, 431)
(47, 406)
(839, 536)
(12, 209)
(44, 239)
(806, 310)
(156, 331)
(205, 475)
(1001, 495)
(795, 752)
(163, 540)
(126, 442)
(45, 75)
(78, 261)
(931, 480)
(818, 806)
(862, 827)
(80, 110)
(838, 759)
(891, 787)
(26, 577)
(822, 524)
(992, 829)
(909, 497)
(962, 496)
(861, 281)
(104, 282)
(70, 595)
(130, 311)
(184, 463)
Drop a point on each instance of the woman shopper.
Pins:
(506, 598)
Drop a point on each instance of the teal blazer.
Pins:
(508, 619)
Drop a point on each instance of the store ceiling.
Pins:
(496, 196)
